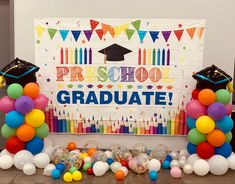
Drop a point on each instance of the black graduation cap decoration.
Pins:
(115, 52)
(18, 71)
(213, 78)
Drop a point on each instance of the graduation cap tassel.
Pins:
(2, 79)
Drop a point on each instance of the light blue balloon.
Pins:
(191, 122)
(14, 119)
(226, 124)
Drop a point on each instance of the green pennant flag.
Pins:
(51, 32)
(129, 33)
(136, 24)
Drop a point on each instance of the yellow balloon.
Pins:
(205, 124)
(77, 175)
(35, 118)
(83, 155)
(68, 177)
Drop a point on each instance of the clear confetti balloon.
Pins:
(139, 164)
(159, 152)
(90, 144)
(121, 153)
(59, 155)
(138, 149)
(74, 160)
(98, 156)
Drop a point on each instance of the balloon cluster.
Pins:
(210, 123)
(25, 125)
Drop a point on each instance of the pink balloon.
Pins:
(229, 109)
(40, 102)
(175, 172)
(7, 104)
(195, 109)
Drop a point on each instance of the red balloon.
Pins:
(89, 171)
(124, 163)
(13, 145)
(205, 150)
(195, 93)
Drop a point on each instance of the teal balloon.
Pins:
(42, 131)
(15, 90)
(8, 132)
(226, 124)
(195, 137)
(191, 122)
(228, 137)
(223, 96)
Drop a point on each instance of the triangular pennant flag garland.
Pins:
(51, 32)
(117, 30)
(76, 34)
(39, 30)
(178, 34)
(129, 33)
(154, 35)
(191, 32)
(64, 34)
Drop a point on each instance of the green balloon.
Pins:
(223, 96)
(86, 166)
(15, 90)
(196, 137)
(8, 132)
(72, 169)
(228, 137)
(42, 131)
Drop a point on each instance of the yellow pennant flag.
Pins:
(199, 32)
(39, 30)
(120, 29)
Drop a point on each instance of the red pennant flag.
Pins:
(178, 34)
(100, 33)
(93, 24)
(191, 32)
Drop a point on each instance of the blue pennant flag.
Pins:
(142, 34)
(76, 34)
(154, 35)
(64, 34)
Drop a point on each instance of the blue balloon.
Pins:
(55, 174)
(226, 124)
(14, 119)
(191, 148)
(35, 146)
(60, 167)
(109, 161)
(166, 164)
(169, 158)
(225, 150)
(153, 175)
(191, 122)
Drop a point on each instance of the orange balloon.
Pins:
(216, 138)
(25, 132)
(206, 96)
(120, 175)
(31, 89)
(91, 151)
(72, 146)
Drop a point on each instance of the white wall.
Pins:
(219, 14)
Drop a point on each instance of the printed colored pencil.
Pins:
(85, 56)
(71, 56)
(80, 56)
(149, 57)
(154, 57)
(158, 57)
(90, 56)
(168, 57)
(66, 56)
(144, 57)
(61, 56)
(139, 56)
(76, 56)
(163, 57)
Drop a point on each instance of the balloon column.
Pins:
(25, 125)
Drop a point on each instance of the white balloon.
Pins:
(182, 162)
(192, 158)
(106, 166)
(77, 151)
(182, 158)
(115, 166)
(184, 152)
(188, 169)
(6, 162)
(231, 161)
(154, 165)
(175, 163)
(99, 168)
(201, 167)
(124, 169)
(48, 150)
(41, 160)
(87, 159)
(108, 154)
(5, 152)
(174, 155)
(29, 169)
(48, 142)
(218, 165)
(48, 169)
(21, 158)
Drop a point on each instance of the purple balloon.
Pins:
(217, 111)
(195, 109)
(24, 104)
(40, 102)
(7, 104)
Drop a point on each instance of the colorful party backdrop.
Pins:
(135, 70)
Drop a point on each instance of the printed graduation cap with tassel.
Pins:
(213, 78)
(18, 71)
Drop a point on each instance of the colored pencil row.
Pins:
(154, 57)
(76, 56)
